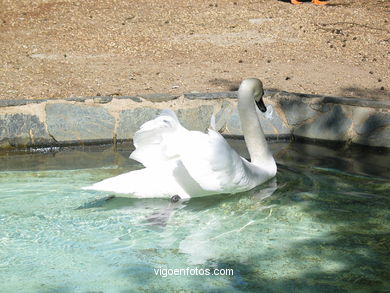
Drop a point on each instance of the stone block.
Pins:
(332, 125)
(371, 127)
(272, 125)
(223, 115)
(296, 111)
(22, 130)
(102, 99)
(197, 118)
(131, 120)
(211, 96)
(156, 98)
(134, 99)
(372, 122)
(77, 123)
(233, 125)
(272, 121)
(380, 137)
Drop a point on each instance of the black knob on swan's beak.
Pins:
(260, 104)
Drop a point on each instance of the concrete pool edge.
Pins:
(80, 120)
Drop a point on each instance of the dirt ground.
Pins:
(57, 49)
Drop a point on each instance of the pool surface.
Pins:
(322, 225)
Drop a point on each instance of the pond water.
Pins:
(322, 225)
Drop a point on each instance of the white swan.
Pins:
(184, 163)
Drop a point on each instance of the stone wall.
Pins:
(33, 123)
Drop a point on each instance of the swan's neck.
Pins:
(255, 140)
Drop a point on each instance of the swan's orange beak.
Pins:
(260, 104)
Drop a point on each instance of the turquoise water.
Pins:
(321, 226)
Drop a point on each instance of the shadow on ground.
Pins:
(381, 93)
(227, 85)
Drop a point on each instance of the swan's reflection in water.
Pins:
(194, 225)
(198, 244)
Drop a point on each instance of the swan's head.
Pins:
(253, 88)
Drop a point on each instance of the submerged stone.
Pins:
(77, 123)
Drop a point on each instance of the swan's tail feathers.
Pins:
(143, 183)
(94, 187)
(152, 139)
(124, 183)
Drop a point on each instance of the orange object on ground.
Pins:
(316, 2)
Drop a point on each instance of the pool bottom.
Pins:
(320, 226)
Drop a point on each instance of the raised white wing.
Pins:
(212, 165)
(153, 141)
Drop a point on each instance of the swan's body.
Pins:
(191, 163)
